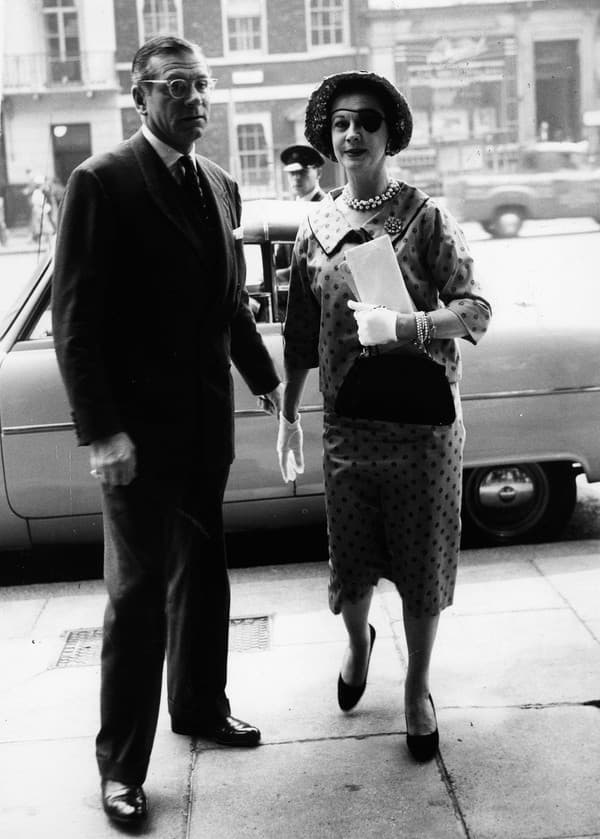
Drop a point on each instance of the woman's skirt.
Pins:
(393, 496)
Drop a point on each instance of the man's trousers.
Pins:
(168, 591)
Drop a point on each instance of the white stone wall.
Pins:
(28, 129)
(29, 114)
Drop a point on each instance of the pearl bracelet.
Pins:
(425, 329)
(432, 326)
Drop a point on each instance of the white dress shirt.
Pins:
(169, 156)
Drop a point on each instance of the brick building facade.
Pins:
(481, 76)
(484, 76)
(267, 55)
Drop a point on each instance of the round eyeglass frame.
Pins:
(203, 84)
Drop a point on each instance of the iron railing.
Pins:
(36, 72)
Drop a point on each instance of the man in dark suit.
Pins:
(149, 309)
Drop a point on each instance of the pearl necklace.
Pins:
(360, 204)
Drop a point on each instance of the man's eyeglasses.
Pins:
(182, 88)
(368, 119)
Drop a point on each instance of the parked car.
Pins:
(531, 399)
(551, 180)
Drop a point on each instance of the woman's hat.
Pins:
(398, 115)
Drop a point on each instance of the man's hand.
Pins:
(289, 448)
(112, 460)
(271, 402)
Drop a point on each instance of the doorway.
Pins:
(557, 90)
(71, 144)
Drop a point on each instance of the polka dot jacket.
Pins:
(320, 329)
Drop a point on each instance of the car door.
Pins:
(46, 474)
(255, 474)
(578, 192)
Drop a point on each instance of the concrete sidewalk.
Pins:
(517, 659)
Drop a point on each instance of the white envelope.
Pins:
(377, 275)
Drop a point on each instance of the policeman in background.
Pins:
(303, 165)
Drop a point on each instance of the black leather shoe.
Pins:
(423, 747)
(126, 805)
(349, 695)
(227, 731)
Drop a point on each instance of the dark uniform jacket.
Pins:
(149, 309)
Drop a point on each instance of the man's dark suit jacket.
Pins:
(146, 317)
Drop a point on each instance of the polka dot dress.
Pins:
(393, 494)
(393, 490)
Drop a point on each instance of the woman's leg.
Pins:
(356, 657)
(420, 637)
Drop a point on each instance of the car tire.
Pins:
(517, 503)
(507, 222)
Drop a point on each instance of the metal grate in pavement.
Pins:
(246, 634)
(82, 647)
(249, 634)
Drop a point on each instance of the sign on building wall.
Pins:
(461, 88)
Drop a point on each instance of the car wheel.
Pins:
(507, 222)
(522, 502)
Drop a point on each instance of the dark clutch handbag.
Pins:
(397, 387)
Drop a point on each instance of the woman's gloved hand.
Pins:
(376, 324)
(289, 448)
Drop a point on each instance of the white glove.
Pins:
(376, 324)
(289, 448)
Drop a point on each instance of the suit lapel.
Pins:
(165, 193)
(163, 189)
(219, 204)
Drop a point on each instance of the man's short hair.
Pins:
(160, 45)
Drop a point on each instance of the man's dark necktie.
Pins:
(191, 186)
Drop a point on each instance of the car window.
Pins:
(18, 284)
(42, 326)
(254, 268)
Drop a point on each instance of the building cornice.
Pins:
(274, 58)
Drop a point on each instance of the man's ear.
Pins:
(139, 99)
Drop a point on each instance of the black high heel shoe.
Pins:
(423, 747)
(349, 695)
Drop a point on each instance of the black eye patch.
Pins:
(369, 119)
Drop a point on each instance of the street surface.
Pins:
(549, 266)
(515, 677)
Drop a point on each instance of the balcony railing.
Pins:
(39, 72)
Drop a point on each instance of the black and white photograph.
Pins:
(300, 419)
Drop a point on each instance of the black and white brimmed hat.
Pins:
(397, 112)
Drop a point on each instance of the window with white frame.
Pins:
(244, 22)
(328, 22)
(255, 155)
(61, 28)
(159, 17)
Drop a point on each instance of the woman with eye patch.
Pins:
(393, 476)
